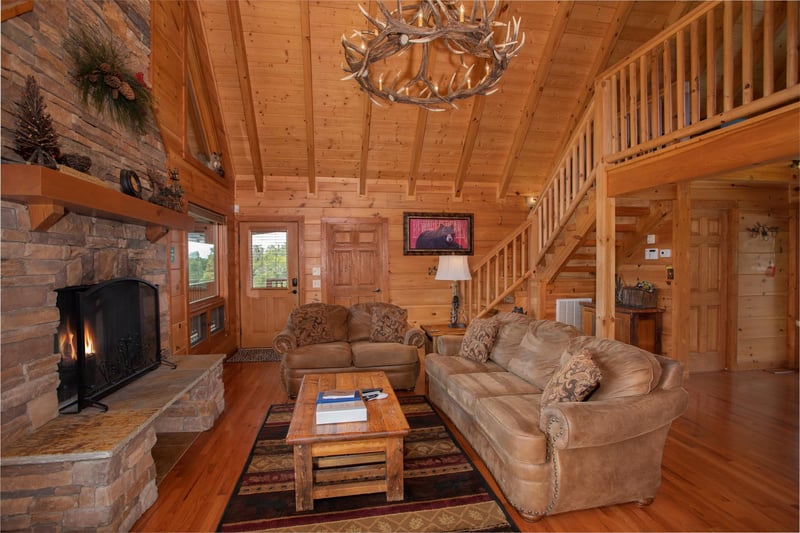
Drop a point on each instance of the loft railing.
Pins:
(722, 63)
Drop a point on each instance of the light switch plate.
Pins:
(651, 239)
(316, 284)
(665, 252)
(651, 253)
(315, 271)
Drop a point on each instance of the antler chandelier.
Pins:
(468, 37)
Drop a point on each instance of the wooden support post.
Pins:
(794, 315)
(681, 285)
(606, 256)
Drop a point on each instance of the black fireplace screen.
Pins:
(108, 335)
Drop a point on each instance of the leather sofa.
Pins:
(566, 455)
(323, 338)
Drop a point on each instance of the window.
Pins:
(205, 249)
(202, 245)
(268, 265)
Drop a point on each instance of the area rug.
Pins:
(254, 355)
(443, 491)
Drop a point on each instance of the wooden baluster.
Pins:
(680, 78)
(667, 68)
(747, 52)
(645, 129)
(711, 67)
(791, 43)
(634, 123)
(625, 125)
(694, 67)
(727, 57)
(769, 46)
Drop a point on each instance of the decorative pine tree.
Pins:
(36, 140)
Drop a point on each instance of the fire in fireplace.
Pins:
(108, 336)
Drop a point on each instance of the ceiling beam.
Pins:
(535, 94)
(416, 150)
(240, 54)
(366, 125)
(469, 143)
(308, 94)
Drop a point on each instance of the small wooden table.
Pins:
(350, 458)
(437, 330)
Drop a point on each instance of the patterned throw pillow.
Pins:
(389, 323)
(310, 324)
(574, 381)
(479, 339)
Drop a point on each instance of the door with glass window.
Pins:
(269, 288)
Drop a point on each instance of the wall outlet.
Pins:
(651, 239)
(665, 252)
(315, 271)
(651, 253)
(316, 284)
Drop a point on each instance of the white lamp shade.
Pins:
(453, 268)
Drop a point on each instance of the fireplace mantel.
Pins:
(51, 194)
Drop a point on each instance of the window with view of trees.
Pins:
(268, 266)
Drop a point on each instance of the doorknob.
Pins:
(377, 290)
(294, 291)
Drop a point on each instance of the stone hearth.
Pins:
(94, 469)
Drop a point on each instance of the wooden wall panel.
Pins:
(411, 284)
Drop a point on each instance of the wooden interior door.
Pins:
(708, 295)
(269, 287)
(354, 261)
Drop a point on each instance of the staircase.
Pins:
(667, 92)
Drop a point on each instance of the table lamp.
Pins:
(453, 268)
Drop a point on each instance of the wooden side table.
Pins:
(639, 327)
(437, 330)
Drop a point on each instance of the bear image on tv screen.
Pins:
(441, 238)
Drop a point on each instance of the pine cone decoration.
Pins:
(126, 91)
(112, 81)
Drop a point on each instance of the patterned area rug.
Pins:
(443, 490)
(254, 355)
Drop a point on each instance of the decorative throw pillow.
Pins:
(310, 324)
(574, 381)
(479, 339)
(388, 324)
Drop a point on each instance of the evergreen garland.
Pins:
(36, 140)
(106, 83)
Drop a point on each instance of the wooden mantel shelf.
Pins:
(51, 194)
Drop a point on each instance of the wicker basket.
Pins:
(638, 298)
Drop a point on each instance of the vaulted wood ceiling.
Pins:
(277, 67)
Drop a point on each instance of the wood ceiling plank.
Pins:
(521, 132)
(240, 54)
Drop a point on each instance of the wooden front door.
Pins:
(354, 261)
(708, 294)
(269, 287)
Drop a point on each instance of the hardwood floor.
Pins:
(730, 463)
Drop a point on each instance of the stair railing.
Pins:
(501, 271)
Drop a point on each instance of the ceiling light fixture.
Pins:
(467, 38)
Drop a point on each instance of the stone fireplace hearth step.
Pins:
(102, 462)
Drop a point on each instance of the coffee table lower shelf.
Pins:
(328, 470)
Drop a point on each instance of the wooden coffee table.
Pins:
(350, 458)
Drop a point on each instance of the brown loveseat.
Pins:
(321, 338)
(566, 455)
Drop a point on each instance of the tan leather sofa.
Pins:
(323, 338)
(604, 450)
